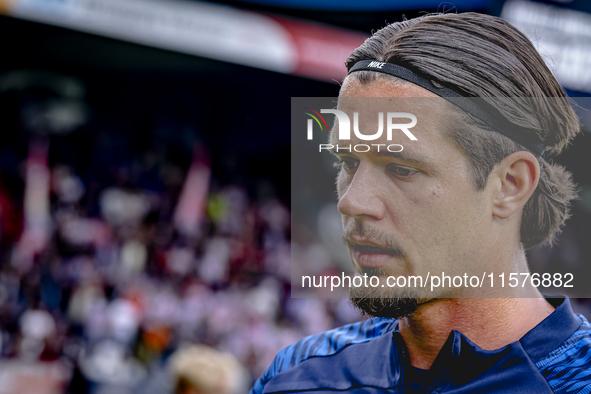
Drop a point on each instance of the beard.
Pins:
(374, 302)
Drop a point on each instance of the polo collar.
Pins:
(549, 333)
(478, 366)
(553, 330)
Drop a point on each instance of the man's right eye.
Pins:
(347, 164)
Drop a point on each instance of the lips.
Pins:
(371, 255)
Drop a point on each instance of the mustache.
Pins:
(359, 229)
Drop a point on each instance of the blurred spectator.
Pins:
(203, 370)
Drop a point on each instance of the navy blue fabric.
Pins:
(416, 380)
(371, 357)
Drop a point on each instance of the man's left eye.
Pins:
(403, 172)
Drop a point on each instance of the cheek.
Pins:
(436, 212)
(453, 211)
(436, 191)
(421, 201)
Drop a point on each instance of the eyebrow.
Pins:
(410, 158)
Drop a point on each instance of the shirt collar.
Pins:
(553, 330)
(548, 335)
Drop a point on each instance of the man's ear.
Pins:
(518, 174)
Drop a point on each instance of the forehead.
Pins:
(365, 101)
(389, 96)
(381, 88)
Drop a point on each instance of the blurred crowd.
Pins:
(105, 284)
(132, 246)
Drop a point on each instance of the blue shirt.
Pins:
(371, 357)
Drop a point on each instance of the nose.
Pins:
(360, 199)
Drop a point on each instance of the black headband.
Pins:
(526, 137)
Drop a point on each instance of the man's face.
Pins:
(409, 213)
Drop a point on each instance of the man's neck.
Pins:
(491, 323)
